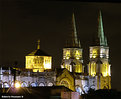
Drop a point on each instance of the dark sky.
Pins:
(23, 22)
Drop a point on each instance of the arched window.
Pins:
(33, 84)
(24, 84)
(50, 84)
(92, 87)
(6, 85)
(79, 90)
(41, 84)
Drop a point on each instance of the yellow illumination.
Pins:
(38, 63)
(67, 57)
(38, 70)
(94, 53)
(93, 69)
(105, 74)
(94, 56)
(17, 85)
(67, 54)
(79, 68)
(77, 57)
(35, 70)
(67, 67)
(77, 54)
(47, 62)
(93, 74)
(106, 69)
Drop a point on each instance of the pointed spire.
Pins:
(101, 36)
(38, 45)
(74, 32)
(72, 41)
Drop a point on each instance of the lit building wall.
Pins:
(105, 69)
(38, 63)
(92, 68)
(72, 59)
(28, 78)
(99, 52)
(99, 66)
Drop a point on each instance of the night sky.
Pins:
(23, 22)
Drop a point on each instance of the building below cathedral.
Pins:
(38, 68)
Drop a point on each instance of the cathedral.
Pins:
(71, 74)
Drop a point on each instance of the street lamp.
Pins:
(17, 85)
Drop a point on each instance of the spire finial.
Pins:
(38, 46)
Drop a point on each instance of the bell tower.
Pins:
(72, 52)
(99, 68)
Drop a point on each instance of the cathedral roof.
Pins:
(38, 51)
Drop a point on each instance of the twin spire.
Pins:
(74, 43)
(101, 40)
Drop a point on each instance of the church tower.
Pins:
(99, 68)
(72, 52)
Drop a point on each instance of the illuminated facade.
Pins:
(99, 68)
(38, 70)
(38, 60)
